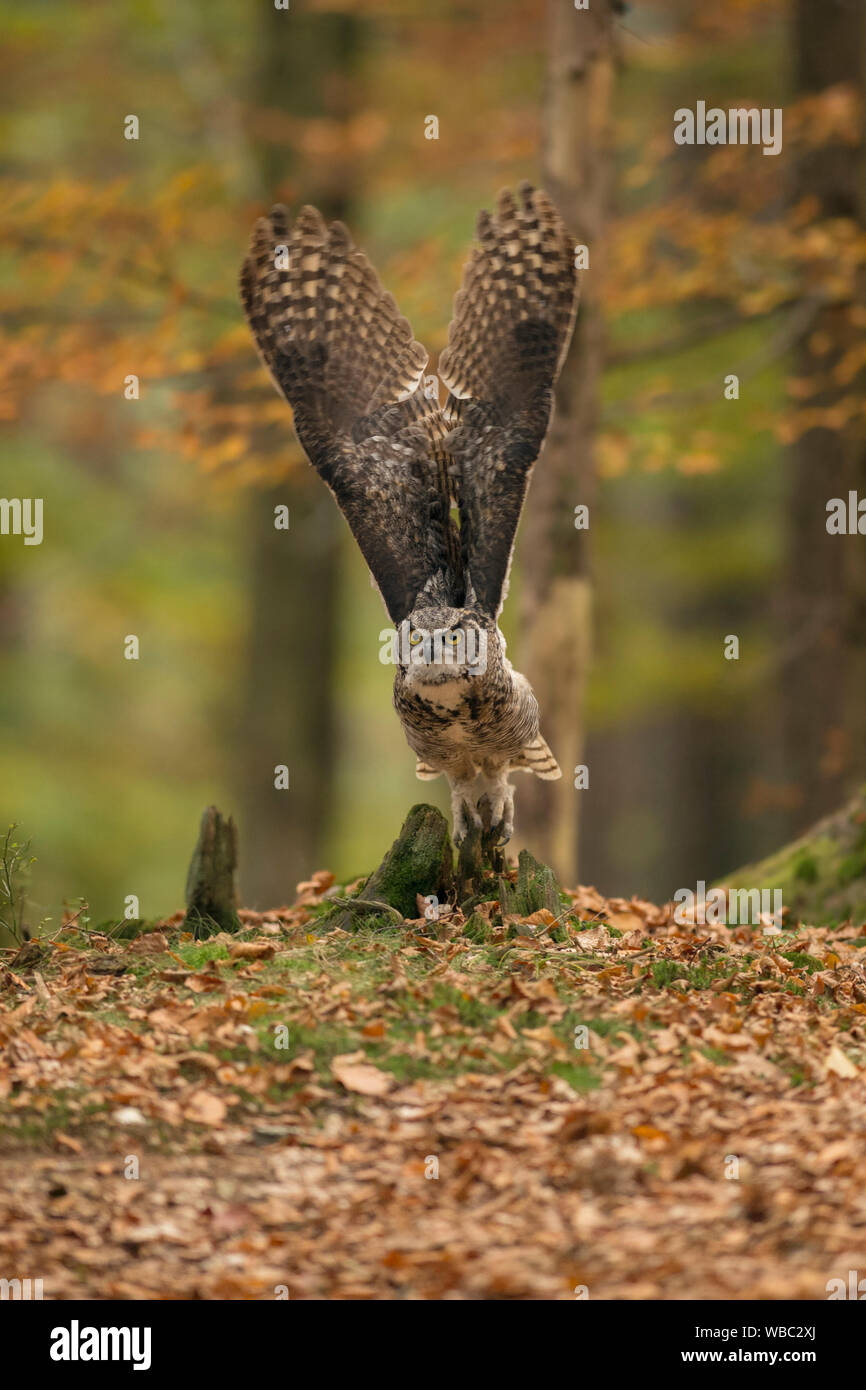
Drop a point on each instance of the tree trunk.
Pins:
(211, 883)
(855, 551)
(824, 607)
(306, 70)
(556, 599)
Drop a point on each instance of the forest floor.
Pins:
(606, 1105)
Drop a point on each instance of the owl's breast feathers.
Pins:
(480, 718)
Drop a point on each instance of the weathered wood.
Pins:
(480, 861)
(419, 861)
(211, 882)
(556, 588)
(536, 888)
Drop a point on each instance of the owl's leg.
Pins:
(463, 812)
(500, 797)
(507, 822)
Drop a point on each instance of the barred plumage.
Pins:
(345, 359)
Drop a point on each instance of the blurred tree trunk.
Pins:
(306, 70)
(556, 598)
(855, 546)
(824, 683)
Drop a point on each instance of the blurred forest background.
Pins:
(260, 647)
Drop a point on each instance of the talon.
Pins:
(503, 832)
(463, 814)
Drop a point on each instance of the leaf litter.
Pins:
(489, 1108)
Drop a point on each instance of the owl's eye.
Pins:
(416, 637)
(452, 637)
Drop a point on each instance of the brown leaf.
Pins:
(627, 922)
(204, 1108)
(360, 1076)
(839, 1064)
(67, 1142)
(151, 943)
(315, 886)
(252, 950)
(594, 938)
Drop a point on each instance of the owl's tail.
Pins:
(536, 757)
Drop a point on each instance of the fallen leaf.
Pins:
(129, 1115)
(151, 943)
(67, 1142)
(839, 1064)
(360, 1076)
(204, 1108)
(252, 950)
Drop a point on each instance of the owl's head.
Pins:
(437, 645)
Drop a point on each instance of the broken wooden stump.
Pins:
(480, 861)
(211, 882)
(420, 861)
(536, 888)
(420, 865)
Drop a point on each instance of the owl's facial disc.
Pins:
(445, 649)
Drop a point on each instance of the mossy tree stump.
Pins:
(536, 888)
(211, 882)
(420, 861)
(420, 864)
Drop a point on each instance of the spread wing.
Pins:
(344, 358)
(512, 325)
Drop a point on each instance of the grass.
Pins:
(425, 1002)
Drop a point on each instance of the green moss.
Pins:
(420, 861)
(803, 960)
(806, 868)
(197, 954)
(822, 874)
(477, 928)
(536, 888)
(581, 1079)
(666, 972)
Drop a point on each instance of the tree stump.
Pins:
(419, 861)
(211, 882)
(480, 861)
(536, 888)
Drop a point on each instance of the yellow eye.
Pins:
(416, 637)
(452, 637)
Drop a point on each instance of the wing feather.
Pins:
(513, 319)
(345, 359)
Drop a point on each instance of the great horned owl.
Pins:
(395, 460)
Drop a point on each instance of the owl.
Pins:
(432, 492)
